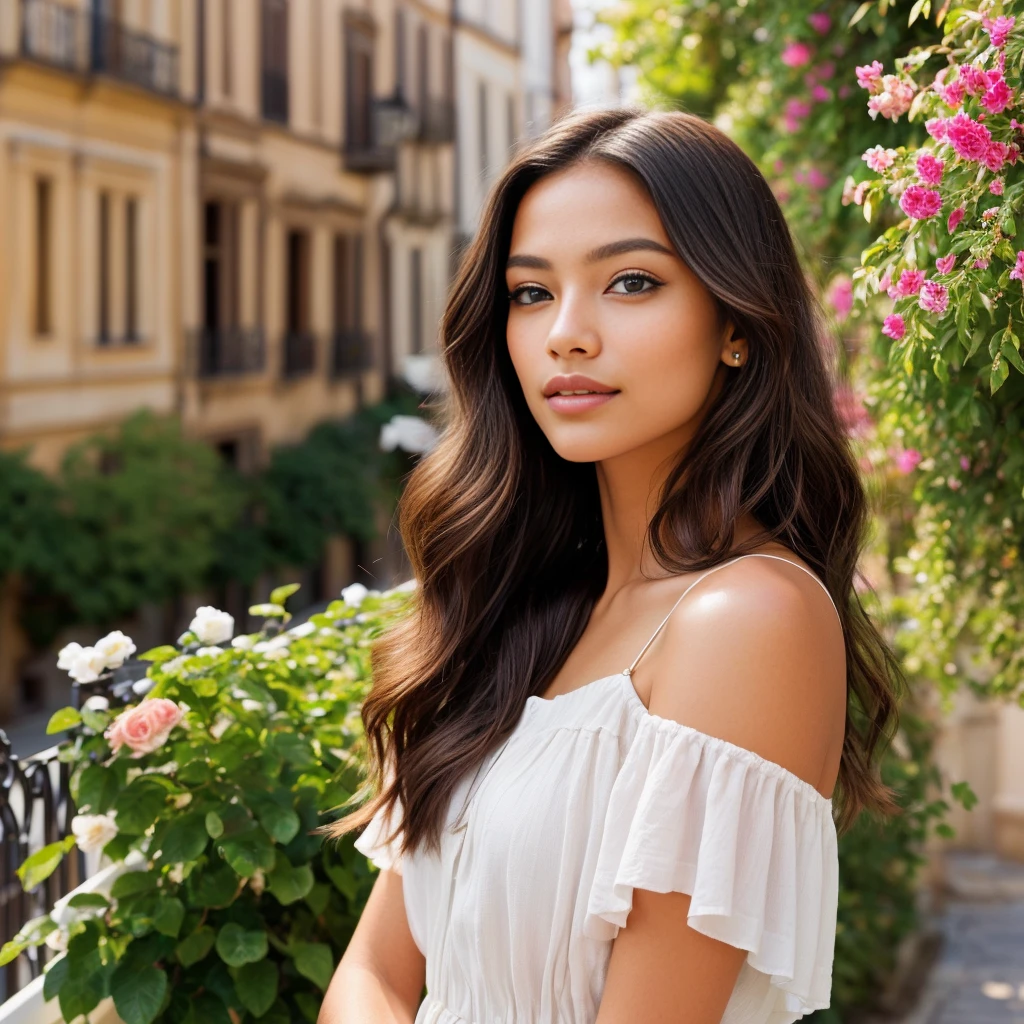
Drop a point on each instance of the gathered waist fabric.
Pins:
(433, 1011)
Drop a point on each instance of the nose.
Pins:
(574, 331)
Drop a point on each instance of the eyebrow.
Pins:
(602, 252)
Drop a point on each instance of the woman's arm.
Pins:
(381, 976)
(758, 661)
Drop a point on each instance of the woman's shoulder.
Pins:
(755, 655)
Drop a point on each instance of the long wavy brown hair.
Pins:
(505, 537)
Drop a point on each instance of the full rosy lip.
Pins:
(575, 382)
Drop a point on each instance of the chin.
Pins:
(587, 449)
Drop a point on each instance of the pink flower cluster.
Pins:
(971, 140)
(907, 460)
(795, 55)
(934, 297)
(1018, 271)
(878, 158)
(821, 22)
(944, 264)
(891, 95)
(919, 202)
(998, 29)
(144, 728)
(930, 168)
(894, 326)
(909, 284)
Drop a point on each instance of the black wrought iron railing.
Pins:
(351, 351)
(373, 133)
(88, 42)
(299, 353)
(229, 351)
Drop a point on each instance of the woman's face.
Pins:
(597, 289)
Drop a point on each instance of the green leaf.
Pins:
(88, 899)
(204, 687)
(289, 884)
(267, 611)
(139, 805)
(1011, 355)
(997, 377)
(131, 883)
(237, 945)
(169, 914)
(256, 985)
(55, 977)
(861, 11)
(194, 947)
(213, 887)
(214, 825)
(281, 594)
(160, 654)
(313, 960)
(41, 864)
(11, 951)
(945, 830)
(915, 11)
(97, 789)
(248, 852)
(318, 897)
(963, 793)
(185, 839)
(138, 993)
(282, 823)
(65, 718)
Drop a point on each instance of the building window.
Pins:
(423, 67)
(348, 284)
(358, 42)
(274, 59)
(297, 311)
(220, 265)
(400, 71)
(103, 275)
(416, 300)
(44, 256)
(131, 270)
(481, 127)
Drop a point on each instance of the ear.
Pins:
(734, 347)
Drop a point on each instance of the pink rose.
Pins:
(997, 97)
(869, 76)
(954, 219)
(878, 158)
(998, 29)
(934, 297)
(919, 202)
(930, 168)
(795, 55)
(996, 186)
(969, 138)
(894, 326)
(909, 283)
(144, 728)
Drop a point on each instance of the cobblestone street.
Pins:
(979, 976)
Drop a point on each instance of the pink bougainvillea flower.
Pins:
(869, 76)
(144, 728)
(980, 264)
(954, 219)
(1018, 271)
(989, 213)
(907, 460)
(840, 297)
(995, 186)
(937, 127)
(919, 203)
(816, 179)
(894, 326)
(998, 29)
(944, 264)
(821, 94)
(995, 156)
(951, 93)
(909, 283)
(930, 168)
(878, 158)
(996, 98)
(975, 79)
(885, 280)
(796, 55)
(894, 99)
(820, 22)
(968, 137)
(934, 297)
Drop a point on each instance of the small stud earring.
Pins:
(736, 355)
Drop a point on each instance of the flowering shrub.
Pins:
(205, 792)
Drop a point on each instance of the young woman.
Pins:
(605, 742)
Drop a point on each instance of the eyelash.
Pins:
(629, 275)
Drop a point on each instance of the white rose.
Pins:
(143, 686)
(115, 647)
(87, 665)
(407, 585)
(68, 655)
(410, 433)
(96, 703)
(207, 652)
(212, 626)
(275, 643)
(243, 642)
(173, 666)
(303, 629)
(353, 594)
(93, 831)
(57, 940)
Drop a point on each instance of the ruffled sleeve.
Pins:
(371, 844)
(751, 843)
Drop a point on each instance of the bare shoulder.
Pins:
(755, 655)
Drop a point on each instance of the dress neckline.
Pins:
(640, 710)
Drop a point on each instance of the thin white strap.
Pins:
(752, 554)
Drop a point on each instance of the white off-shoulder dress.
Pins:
(590, 797)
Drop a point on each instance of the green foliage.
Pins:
(228, 905)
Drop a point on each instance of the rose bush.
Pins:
(206, 793)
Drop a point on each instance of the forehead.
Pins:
(575, 210)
